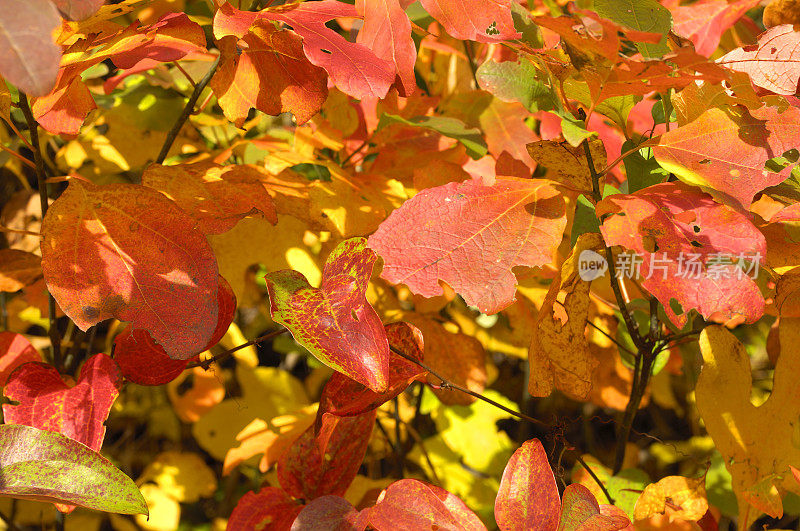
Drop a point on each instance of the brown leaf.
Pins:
(18, 269)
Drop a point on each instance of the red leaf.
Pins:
(47, 403)
(335, 322)
(470, 236)
(30, 57)
(528, 494)
(672, 222)
(331, 513)
(18, 269)
(326, 462)
(773, 64)
(410, 504)
(78, 9)
(173, 37)
(346, 397)
(726, 151)
(474, 20)
(267, 70)
(270, 508)
(352, 67)
(144, 362)
(126, 251)
(15, 350)
(64, 109)
(580, 512)
(387, 32)
(217, 196)
(704, 22)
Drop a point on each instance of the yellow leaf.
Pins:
(270, 438)
(165, 512)
(267, 392)
(679, 497)
(755, 442)
(183, 476)
(560, 357)
(253, 241)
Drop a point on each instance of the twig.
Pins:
(471, 60)
(640, 343)
(397, 435)
(185, 73)
(20, 231)
(9, 522)
(18, 156)
(13, 127)
(187, 110)
(41, 177)
(620, 345)
(447, 384)
(594, 477)
(206, 363)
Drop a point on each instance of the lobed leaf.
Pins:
(47, 403)
(470, 235)
(335, 322)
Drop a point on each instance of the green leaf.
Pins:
(517, 81)
(470, 137)
(616, 108)
(642, 168)
(47, 466)
(640, 15)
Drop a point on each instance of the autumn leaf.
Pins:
(559, 354)
(686, 497)
(266, 69)
(335, 322)
(417, 505)
(205, 393)
(470, 236)
(757, 443)
(325, 460)
(725, 152)
(352, 67)
(271, 506)
(580, 510)
(773, 64)
(18, 269)
(183, 476)
(704, 22)
(139, 259)
(78, 9)
(528, 495)
(15, 350)
(46, 402)
(217, 196)
(387, 32)
(568, 164)
(331, 512)
(476, 20)
(665, 222)
(346, 397)
(46, 466)
(31, 57)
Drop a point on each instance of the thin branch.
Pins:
(594, 477)
(185, 73)
(20, 231)
(206, 363)
(643, 369)
(640, 343)
(41, 177)
(18, 156)
(13, 127)
(447, 384)
(471, 60)
(647, 143)
(187, 110)
(620, 345)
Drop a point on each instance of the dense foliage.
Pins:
(394, 264)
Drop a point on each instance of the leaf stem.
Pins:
(594, 476)
(447, 384)
(206, 363)
(187, 110)
(41, 178)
